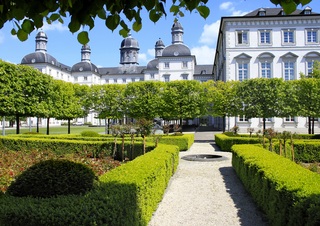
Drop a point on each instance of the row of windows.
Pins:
(288, 36)
(265, 71)
(184, 64)
(124, 80)
(167, 77)
(243, 118)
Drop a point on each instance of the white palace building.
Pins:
(266, 43)
(172, 62)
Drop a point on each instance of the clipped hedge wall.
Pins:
(286, 192)
(225, 142)
(184, 141)
(127, 195)
(307, 151)
(61, 147)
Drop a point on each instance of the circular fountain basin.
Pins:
(204, 157)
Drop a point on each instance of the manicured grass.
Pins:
(56, 130)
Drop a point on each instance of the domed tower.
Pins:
(85, 53)
(177, 33)
(41, 42)
(159, 48)
(129, 51)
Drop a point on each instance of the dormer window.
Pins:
(307, 10)
(262, 12)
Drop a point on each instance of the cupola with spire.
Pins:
(159, 46)
(129, 51)
(177, 33)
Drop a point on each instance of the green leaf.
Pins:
(288, 7)
(18, 14)
(54, 16)
(74, 25)
(27, 26)
(102, 14)
(304, 2)
(154, 16)
(13, 31)
(123, 32)
(174, 9)
(113, 21)
(1, 8)
(204, 11)
(136, 26)
(22, 35)
(83, 37)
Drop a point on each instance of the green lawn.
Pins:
(56, 130)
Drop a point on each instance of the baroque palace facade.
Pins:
(172, 62)
(266, 43)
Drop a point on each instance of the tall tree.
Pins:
(184, 99)
(263, 98)
(67, 104)
(144, 99)
(223, 99)
(308, 95)
(108, 101)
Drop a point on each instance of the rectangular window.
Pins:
(166, 65)
(152, 76)
(265, 37)
(243, 118)
(288, 36)
(115, 80)
(124, 80)
(107, 80)
(289, 119)
(265, 70)
(133, 79)
(85, 78)
(185, 77)
(243, 71)
(288, 71)
(312, 36)
(310, 67)
(166, 78)
(242, 37)
(185, 64)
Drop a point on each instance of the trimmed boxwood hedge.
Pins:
(63, 146)
(225, 142)
(127, 195)
(288, 193)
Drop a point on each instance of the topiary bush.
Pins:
(52, 178)
(89, 133)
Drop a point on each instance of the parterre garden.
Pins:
(85, 180)
(271, 168)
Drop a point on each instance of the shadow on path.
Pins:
(248, 211)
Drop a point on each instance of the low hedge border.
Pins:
(61, 147)
(183, 141)
(127, 195)
(225, 142)
(286, 192)
(307, 151)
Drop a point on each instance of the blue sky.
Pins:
(200, 36)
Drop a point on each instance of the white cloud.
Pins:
(150, 52)
(210, 33)
(204, 54)
(230, 8)
(142, 58)
(55, 26)
(226, 6)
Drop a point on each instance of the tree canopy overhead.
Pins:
(29, 15)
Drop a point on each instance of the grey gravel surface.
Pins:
(206, 193)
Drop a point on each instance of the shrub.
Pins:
(51, 178)
(89, 133)
(285, 191)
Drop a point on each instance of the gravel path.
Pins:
(206, 193)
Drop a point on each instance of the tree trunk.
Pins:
(48, 121)
(309, 125)
(69, 125)
(108, 126)
(312, 128)
(224, 123)
(17, 124)
(37, 124)
(144, 144)
(264, 124)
